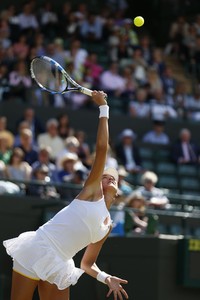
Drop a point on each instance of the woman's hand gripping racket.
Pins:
(51, 77)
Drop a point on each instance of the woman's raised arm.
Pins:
(93, 182)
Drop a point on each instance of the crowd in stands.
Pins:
(100, 51)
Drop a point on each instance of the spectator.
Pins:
(157, 61)
(153, 196)
(44, 159)
(17, 168)
(20, 81)
(169, 84)
(139, 66)
(146, 47)
(26, 144)
(64, 128)
(71, 146)
(42, 187)
(21, 48)
(67, 167)
(130, 87)
(124, 188)
(27, 20)
(22, 125)
(129, 33)
(185, 151)
(77, 179)
(34, 122)
(178, 30)
(94, 67)
(91, 28)
(127, 152)
(192, 105)
(157, 134)
(5, 150)
(77, 55)
(180, 98)
(159, 107)
(49, 20)
(83, 148)
(5, 132)
(137, 205)
(153, 80)
(51, 138)
(4, 83)
(60, 54)
(111, 81)
(139, 106)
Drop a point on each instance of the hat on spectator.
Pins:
(113, 172)
(69, 157)
(8, 137)
(128, 133)
(122, 172)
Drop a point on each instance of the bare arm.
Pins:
(88, 264)
(92, 186)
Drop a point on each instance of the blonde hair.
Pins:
(149, 176)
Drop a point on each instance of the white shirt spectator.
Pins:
(56, 143)
(162, 111)
(141, 110)
(27, 21)
(112, 81)
(154, 138)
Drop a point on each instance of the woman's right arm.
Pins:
(92, 186)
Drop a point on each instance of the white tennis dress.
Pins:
(48, 251)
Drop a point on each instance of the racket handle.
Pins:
(86, 91)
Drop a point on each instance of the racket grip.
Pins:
(86, 91)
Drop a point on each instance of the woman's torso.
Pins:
(77, 225)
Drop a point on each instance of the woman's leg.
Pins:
(22, 287)
(49, 291)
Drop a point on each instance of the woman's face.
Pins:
(109, 184)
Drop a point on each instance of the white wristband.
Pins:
(101, 276)
(104, 111)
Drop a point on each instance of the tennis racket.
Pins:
(51, 77)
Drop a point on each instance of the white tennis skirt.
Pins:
(36, 254)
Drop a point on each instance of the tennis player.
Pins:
(43, 258)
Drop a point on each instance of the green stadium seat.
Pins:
(162, 155)
(187, 170)
(148, 165)
(189, 184)
(168, 182)
(146, 153)
(165, 168)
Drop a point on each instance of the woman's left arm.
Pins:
(88, 264)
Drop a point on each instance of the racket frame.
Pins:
(77, 87)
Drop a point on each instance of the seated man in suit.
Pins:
(127, 152)
(185, 151)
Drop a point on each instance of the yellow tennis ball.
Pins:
(138, 21)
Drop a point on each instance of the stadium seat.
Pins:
(168, 181)
(146, 153)
(148, 165)
(187, 170)
(162, 155)
(165, 168)
(188, 183)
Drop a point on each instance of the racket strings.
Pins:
(48, 75)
